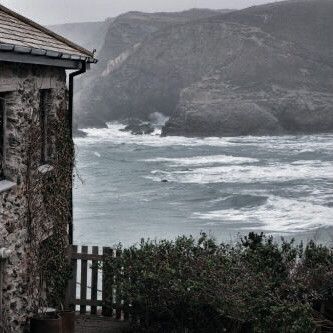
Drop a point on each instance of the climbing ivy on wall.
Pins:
(48, 193)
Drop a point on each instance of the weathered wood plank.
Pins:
(94, 280)
(113, 303)
(107, 293)
(84, 272)
(72, 288)
(87, 256)
(88, 302)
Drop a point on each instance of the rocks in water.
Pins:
(265, 70)
(79, 134)
(96, 99)
(138, 127)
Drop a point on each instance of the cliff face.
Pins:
(213, 107)
(278, 82)
(125, 36)
(129, 29)
(264, 70)
(306, 23)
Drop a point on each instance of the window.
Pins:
(44, 109)
(2, 134)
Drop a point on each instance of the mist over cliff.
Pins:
(90, 35)
(263, 70)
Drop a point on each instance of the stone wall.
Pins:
(22, 84)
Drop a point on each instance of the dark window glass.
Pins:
(2, 134)
(44, 112)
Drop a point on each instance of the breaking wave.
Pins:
(276, 215)
(273, 172)
(293, 144)
(203, 160)
(176, 185)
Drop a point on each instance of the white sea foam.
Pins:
(203, 160)
(114, 135)
(277, 215)
(275, 172)
(158, 119)
(293, 144)
(292, 176)
(97, 154)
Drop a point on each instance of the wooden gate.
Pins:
(86, 291)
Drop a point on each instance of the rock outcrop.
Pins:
(138, 127)
(264, 70)
(278, 82)
(124, 38)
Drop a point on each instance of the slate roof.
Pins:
(19, 34)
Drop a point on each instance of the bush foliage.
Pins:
(255, 285)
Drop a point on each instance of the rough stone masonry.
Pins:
(22, 87)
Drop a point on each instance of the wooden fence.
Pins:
(87, 289)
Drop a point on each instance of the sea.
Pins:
(129, 187)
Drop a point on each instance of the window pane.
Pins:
(2, 134)
(44, 110)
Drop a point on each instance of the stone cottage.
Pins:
(35, 153)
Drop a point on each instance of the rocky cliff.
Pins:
(124, 37)
(263, 70)
(279, 81)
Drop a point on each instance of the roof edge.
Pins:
(47, 31)
(27, 58)
(43, 52)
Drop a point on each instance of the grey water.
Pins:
(131, 187)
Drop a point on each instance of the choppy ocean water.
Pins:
(129, 187)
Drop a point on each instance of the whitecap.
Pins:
(277, 215)
(114, 135)
(274, 172)
(292, 144)
(204, 160)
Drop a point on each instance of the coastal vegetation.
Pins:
(197, 285)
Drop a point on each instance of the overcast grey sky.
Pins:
(64, 11)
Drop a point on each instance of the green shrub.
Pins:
(190, 285)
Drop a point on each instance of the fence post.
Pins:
(107, 290)
(71, 288)
(94, 281)
(118, 285)
(84, 272)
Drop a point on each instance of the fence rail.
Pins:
(88, 290)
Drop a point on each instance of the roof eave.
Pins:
(14, 53)
(26, 58)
